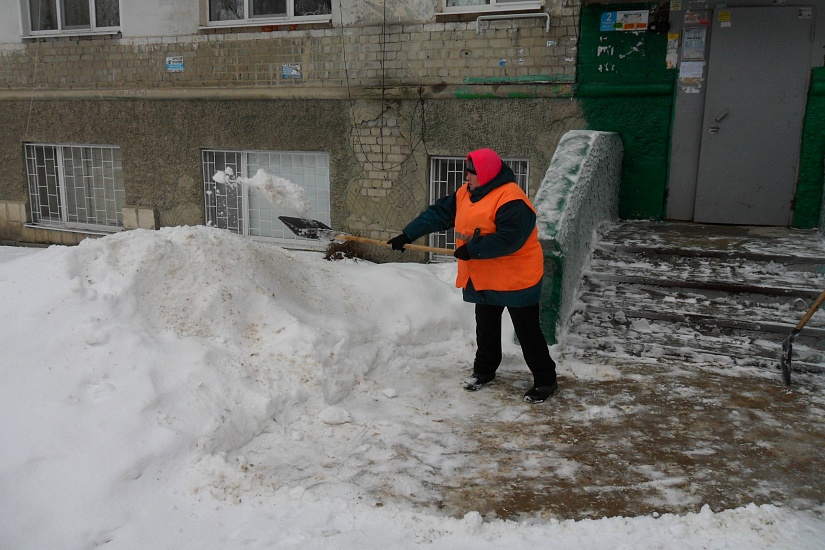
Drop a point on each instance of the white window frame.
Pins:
(491, 6)
(443, 186)
(92, 29)
(237, 208)
(260, 20)
(66, 194)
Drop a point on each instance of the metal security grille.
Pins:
(242, 209)
(446, 176)
(76, 186)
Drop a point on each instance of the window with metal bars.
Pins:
(446, 176)
(75, 186)
(236, 206)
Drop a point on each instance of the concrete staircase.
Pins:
(715, 295)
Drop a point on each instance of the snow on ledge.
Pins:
(580, 191)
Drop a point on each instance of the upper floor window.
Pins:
(52, 17)
(233, 12)
(474, 6)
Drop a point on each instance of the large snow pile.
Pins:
(188, 388)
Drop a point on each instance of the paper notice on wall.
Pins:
(724, 18)
(672, 55)
(691, 69)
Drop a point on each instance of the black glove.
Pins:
(398, 242)
(462, 253)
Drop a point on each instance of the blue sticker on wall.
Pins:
(291, 70)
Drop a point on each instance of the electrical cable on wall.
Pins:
(384, 165)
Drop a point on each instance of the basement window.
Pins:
(75, 186)
(267, 12)
(70, 17)
(238, 205)
(446, 176)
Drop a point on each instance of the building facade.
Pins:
(119, 114)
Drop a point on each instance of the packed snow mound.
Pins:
(258, 300)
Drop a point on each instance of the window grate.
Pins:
(76, 186)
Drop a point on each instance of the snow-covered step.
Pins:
(705, 272)
(700, 294)
(779, 243)
(607, 335)
(701, 306)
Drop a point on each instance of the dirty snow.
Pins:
(188, 388)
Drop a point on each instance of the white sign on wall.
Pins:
(174, 64)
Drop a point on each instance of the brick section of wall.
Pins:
(451, 53)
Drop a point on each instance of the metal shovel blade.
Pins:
(306, 228)
(787, 345)
(785, 364)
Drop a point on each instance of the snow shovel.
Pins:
(787, 345)
(313, 229)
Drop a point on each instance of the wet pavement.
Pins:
(630, 436)
(648, 439)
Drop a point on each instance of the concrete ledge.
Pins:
(579, 192)
(13, 215)
(139, 217)
(48, 235)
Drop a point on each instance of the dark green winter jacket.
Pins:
(515, 221)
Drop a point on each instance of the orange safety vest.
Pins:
(517, 271)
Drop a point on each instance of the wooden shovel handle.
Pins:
(811, 311)
(378, 242)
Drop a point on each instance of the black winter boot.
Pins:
(540, 394)
(477, 380)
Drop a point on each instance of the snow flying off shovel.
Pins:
(313, 229)
(787, 345)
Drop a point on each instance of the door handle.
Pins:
(722, 115)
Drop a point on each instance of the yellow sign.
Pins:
(724, 16)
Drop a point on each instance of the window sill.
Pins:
(268, 25)
(68, 229)
(81, 34)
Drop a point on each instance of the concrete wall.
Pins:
(432, 53)
(380, 94)
(378, 171)
(580, 191)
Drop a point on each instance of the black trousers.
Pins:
(528, 332)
